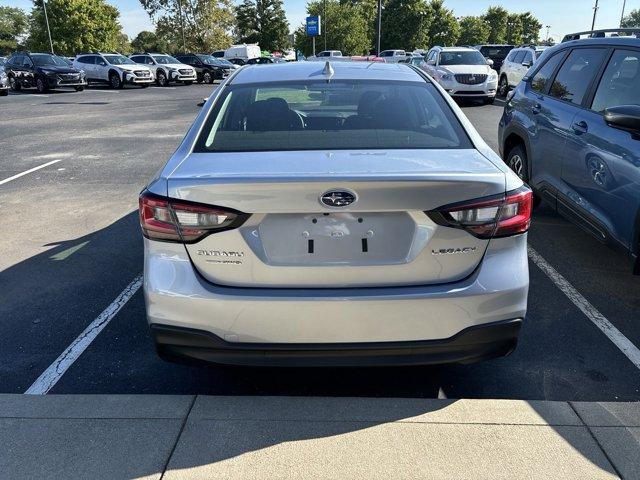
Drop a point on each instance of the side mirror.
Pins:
(624, 117)
(489, 62)
(103, 64)
(526, 64)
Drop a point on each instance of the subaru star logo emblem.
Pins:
(337, 198)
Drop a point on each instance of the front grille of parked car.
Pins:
(185, 71)
(142, 73)
(69, 77)
(470, 78)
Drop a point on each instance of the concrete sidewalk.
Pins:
(187, 437)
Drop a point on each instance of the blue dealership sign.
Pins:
(313, 26)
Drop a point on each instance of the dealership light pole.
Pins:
(624, 5)
(379, 27)
(595, 13)
(184, 48)
(548, 27)
(46, 20)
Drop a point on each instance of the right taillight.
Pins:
(497, 216)
(180, 221)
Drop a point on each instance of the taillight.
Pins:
(498, 216)
(179, 221)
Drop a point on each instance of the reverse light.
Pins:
(180, 221)
(491, 217)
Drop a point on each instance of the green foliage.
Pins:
(514, 29)
(263, 22)
(76, 26)
(207, 24)
(147, 41)
(343, 24)
(496, 18)
(405, 24)
(530, 28)
(13, 25)
(473, 31)
(632, 20)
(444, 29)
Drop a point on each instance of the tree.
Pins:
(13, 26)
(246, 22)
(632, 20)
(405, 24)
(444, 28)
(530, 28)
(263, 22)
(496, 18)
(347, 29)
(147, 41)
(473, 31)
(205, 25)
(514, 29)
(76, 26)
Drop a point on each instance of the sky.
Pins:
(563, 16)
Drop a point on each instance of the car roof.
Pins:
(613, 41)
(314, 70)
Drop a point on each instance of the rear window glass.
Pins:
(324, 115)
(495, 53)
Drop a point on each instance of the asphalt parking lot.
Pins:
(71, 244)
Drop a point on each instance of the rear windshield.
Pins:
(496, 53)
(322, 115)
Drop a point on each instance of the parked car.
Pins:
(114, 70)
(242, 52)
(516, 65)
(463, 72)
(42, 71)
(369, 226)
(328, 53)
(166, 68)
(4, 83)
(393, 56)
(264, 61)
(495, 52)
(207, 68)
(571, 129)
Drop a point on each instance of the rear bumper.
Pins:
(470, 345)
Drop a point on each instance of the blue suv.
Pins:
(571, 130)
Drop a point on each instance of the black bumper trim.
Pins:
(480, 342)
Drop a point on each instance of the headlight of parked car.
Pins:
(447, 77)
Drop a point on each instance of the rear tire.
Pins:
(518, 162)
(14, 84)
(207, 77)
(79, 89)
(503, 86)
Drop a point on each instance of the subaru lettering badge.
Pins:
(337, 198)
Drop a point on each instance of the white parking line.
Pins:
(619, 340)
(57, 369)
(7, 180)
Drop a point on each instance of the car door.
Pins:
(101, 68)
(87, 63)
(523, 66)
(431, 63)
(28, 71)
(513, 74)
(602, 172)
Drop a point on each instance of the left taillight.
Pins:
(493, 217)
(179, 221)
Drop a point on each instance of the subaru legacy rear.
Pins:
(341, 214)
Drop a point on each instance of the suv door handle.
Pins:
(580, 127)
(536, 108)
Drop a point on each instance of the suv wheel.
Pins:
(14, 84)
(517, 161)
(41, 86)
(162, 79)
(207, 78)
(114, 80)
(503, 87)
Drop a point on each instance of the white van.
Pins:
(243, 52)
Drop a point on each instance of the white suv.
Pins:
(166, 68)
(113, 69)
(463, 72)
(393, 56)
(516, 65)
